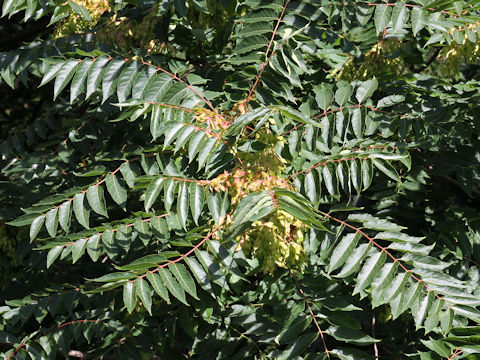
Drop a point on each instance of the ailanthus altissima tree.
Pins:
(251, 179)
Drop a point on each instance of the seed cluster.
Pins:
(276, 240)
(216, 17)
(126, 33)
(122, 32)
(239, 183)
(76, 24)
(381, 58)
(212, 119)
(455, 55)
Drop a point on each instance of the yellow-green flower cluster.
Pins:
(127, 34)
(377, 60)
(76, 24)
(212, 119)
(454, 55)
(239, 183)
(268, 159)
(278, 239)
(275, 241)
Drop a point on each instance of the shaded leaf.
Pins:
(129, 298)
(143, 293)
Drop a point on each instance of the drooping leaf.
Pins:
(110, 78)
(117, 190)
(78, 249)
(64, 76)
(80, 79)
(342, 251)
(172, 285)
(80, 208)
(36, 226)
(153, 190)
(53, 254)
(199, 273)
(51, 221)
(143, 292)
(197, 198)
(183, 278)
(182, 205)
(129, 297)
(323, 96)
(418, 19)
(369, 270)
(65, 215)
(382, 17)
(399, 16)
(367, 88)
(343, 93)
(94, 247)
(96, 200)
(158, 286)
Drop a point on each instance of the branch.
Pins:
(267, 56)
(319, 330)
(429, 61)
(384, 249)
(456, 183)
(456, 352)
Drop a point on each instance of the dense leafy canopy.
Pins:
(251, 179)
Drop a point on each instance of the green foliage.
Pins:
(240, 180)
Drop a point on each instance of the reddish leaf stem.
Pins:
(183, 82)
(455, 353)
(171, 106)
(187, 254)
(50, 331)
(395, 260)
(267, 57)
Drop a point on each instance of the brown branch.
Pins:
(429, 61)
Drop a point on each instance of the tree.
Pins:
(240, 179)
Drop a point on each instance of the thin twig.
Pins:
(267, 56)
(319, 330)
(455, 353)
(429, 61)
(384, 250)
